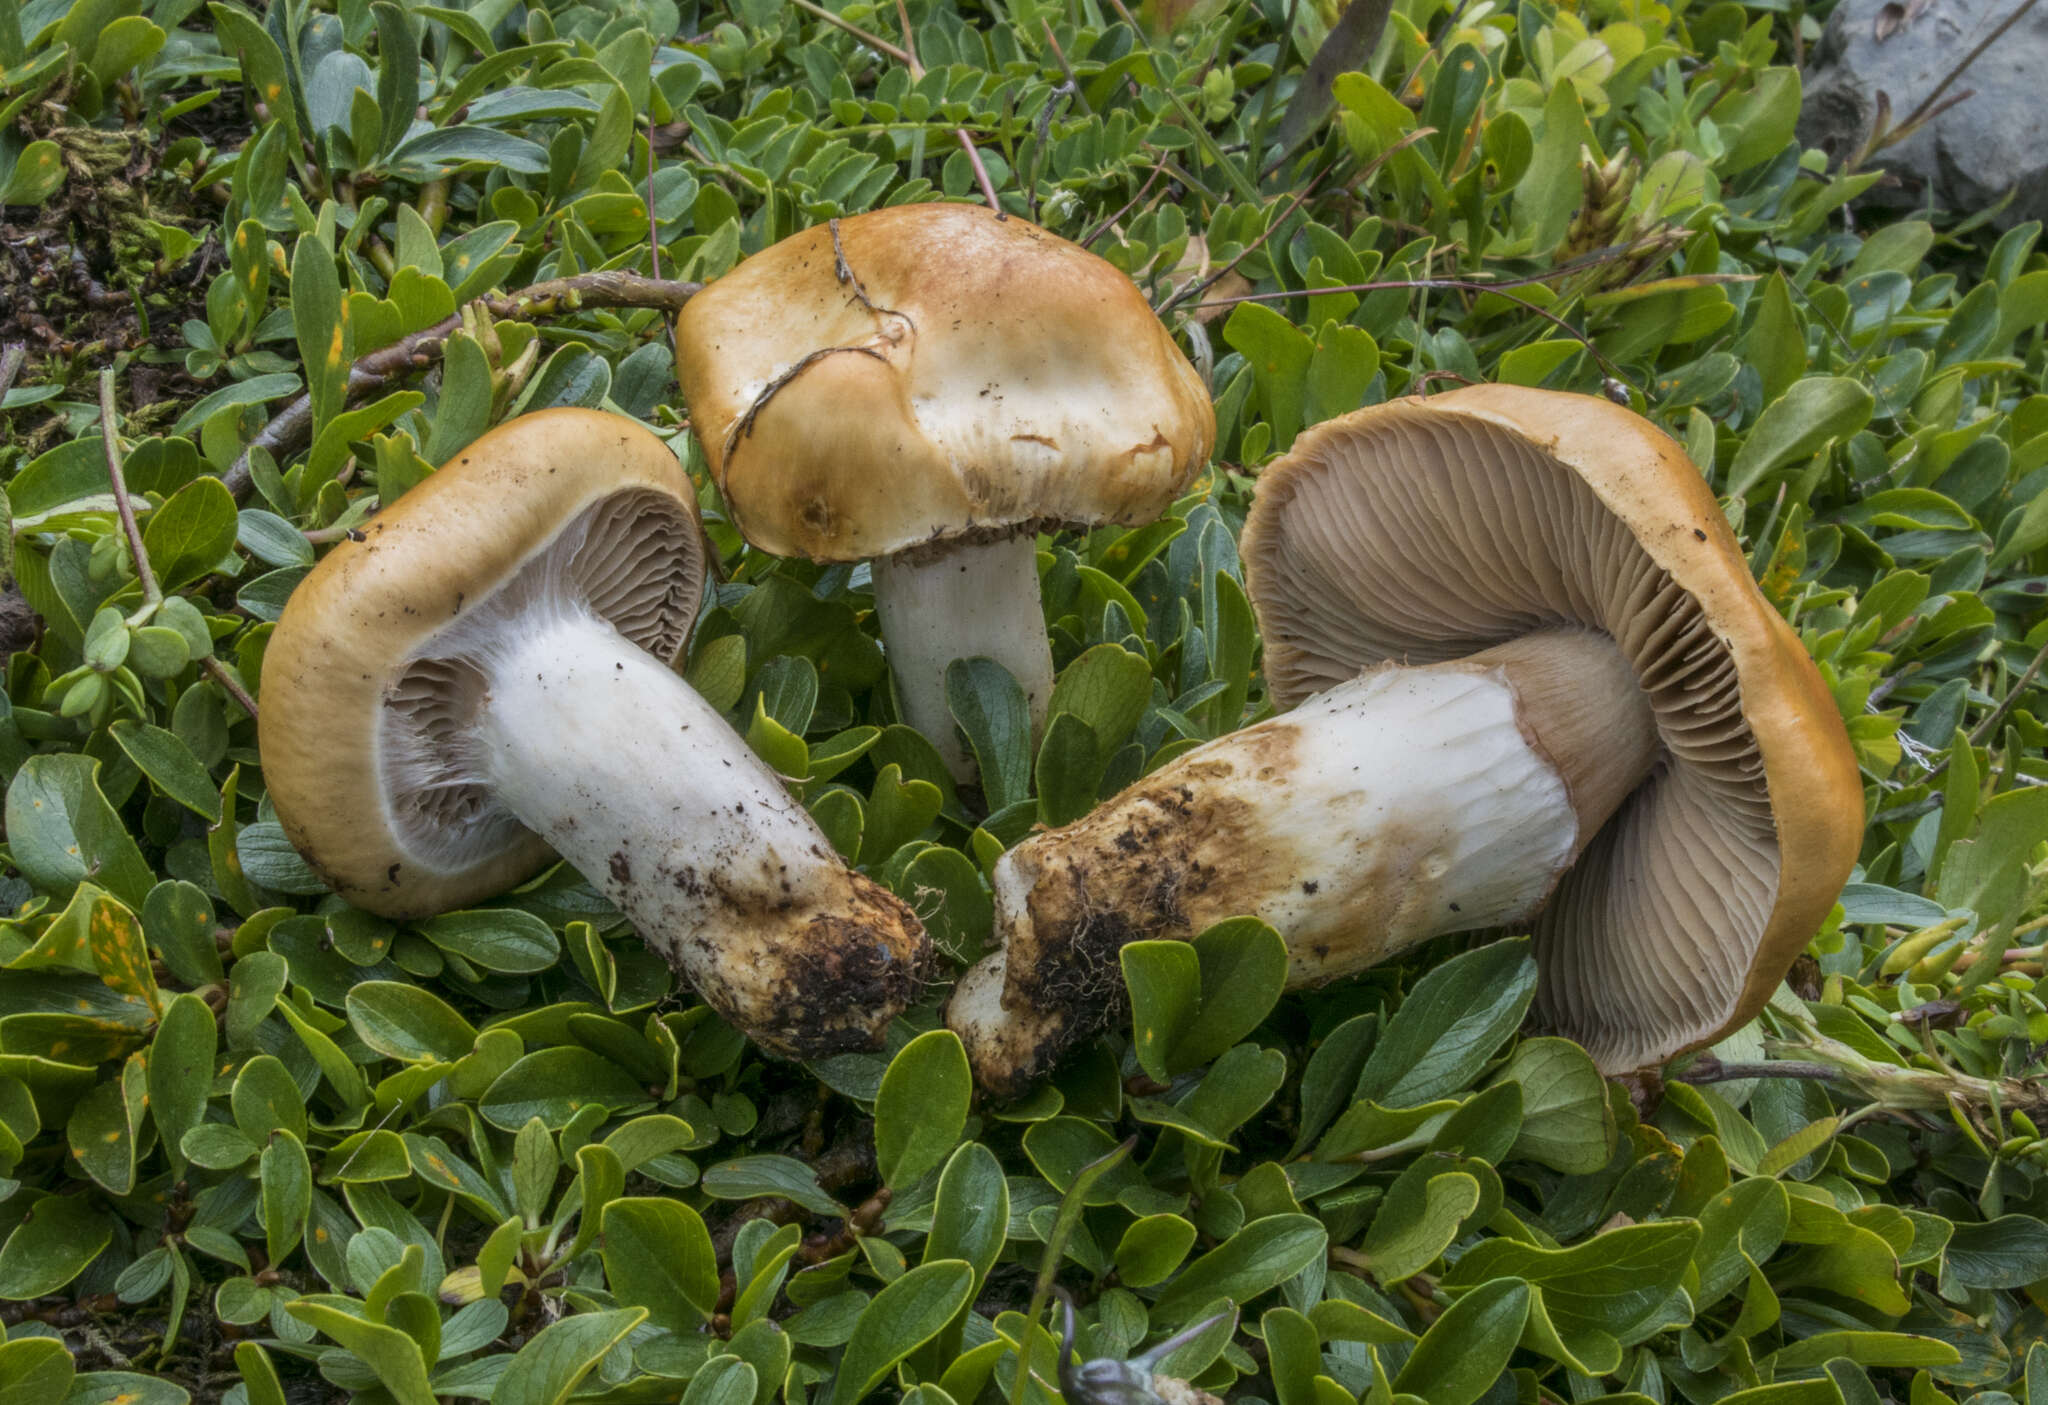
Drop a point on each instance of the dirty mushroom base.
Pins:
(629, 774)
(1405, 804)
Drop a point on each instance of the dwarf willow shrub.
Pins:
(260, 1146)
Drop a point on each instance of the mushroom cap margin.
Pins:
(364, 610)
(1644, 479)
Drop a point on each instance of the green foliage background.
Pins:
(249, 1132)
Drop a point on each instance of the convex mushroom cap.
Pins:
(1530, 680)
(928, 386)
(1430, 530)
(484, 680)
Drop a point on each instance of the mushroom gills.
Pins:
(962, 600)
(1399, 806)
(632, 777)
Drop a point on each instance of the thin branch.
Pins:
(1708, 1069)
(873, 41)
(1195, 289)
(553, 298)
(1110, 223)
(152, 593)
(1998, 714)
(218, 672)
(911, 61)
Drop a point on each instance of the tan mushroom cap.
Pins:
(940, 371)
(1426, 530)
(352, 690)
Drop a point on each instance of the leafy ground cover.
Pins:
(259, 1146)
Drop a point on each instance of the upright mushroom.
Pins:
(1532, 681)
(927, 387)
(485, 677)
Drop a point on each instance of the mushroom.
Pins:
(927, 387)
(1533, 683)
(484, 677)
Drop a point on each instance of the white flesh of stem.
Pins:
(638, 783)
(972, 600)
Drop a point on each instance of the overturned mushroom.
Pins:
(1532, 682)
(485, 678)
(928, 387)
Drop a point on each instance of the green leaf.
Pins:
(181, 1071)
(286, 1178)
(2008, 1252)
(548, 1368)
(61, 831)
(725, 1380)
(392, 1356)
(1279, 354)
(170, 764)
(555, 1085)
(398, 65)
(897, 812)
(1107, 687)
(922, 1107)
(320, 323)
(1612, 1282)
(1418, 1220)
(190, 534)
(1243, 970)
(1465, 1351)
(1450, 1025)
(1151, 1248)
(447, 149)
(52, 1243)
(1809, 416)
(497, 939)
(1261, 1256)
(1165, 983)
(35, 1371)
(971, 1213)
(407, 1022)
(1069, 770)
(991, 709)
(1567, 1121)
(900, 1319)
(1889, 1350)
(746, 1177)
(658, 1256)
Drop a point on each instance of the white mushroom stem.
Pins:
(632, 777)
(962, 600)
(1404, 804)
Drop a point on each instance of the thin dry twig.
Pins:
(910, 61)
(1998, 714)
(873, 41)
(552, 298)
(124, 508)
(152, 593)
(1110, 223)
(1194, 289)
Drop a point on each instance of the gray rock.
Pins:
(1967, 158)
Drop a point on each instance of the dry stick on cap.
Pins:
(927, 387)
(1532, 682)
(484, 681)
